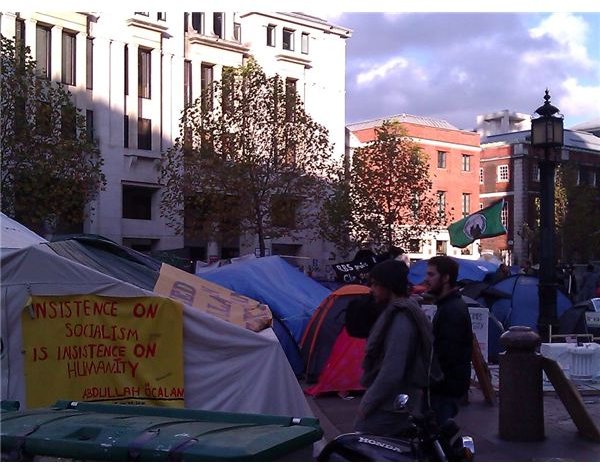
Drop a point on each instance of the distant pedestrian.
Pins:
(589, 284)
(527, 269)
(398, 354)
(453, 337)
(502, 272)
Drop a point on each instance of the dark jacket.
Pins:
(453, 345)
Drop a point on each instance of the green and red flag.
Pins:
(485, 223)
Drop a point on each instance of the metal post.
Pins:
(547, 283)
(521, 400)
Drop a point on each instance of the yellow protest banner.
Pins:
(97, 348)
(212, 298)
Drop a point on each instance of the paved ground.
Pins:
(480, 420)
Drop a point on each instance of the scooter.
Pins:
(424, 441)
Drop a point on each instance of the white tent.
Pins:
(13, 235)
(226, 367)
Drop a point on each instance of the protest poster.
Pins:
(103, 349)
(479, 324)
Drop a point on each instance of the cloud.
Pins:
(455, 66)
(381, 71)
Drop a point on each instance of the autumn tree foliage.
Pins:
(249, 160)
(390, 191)
(50, 166)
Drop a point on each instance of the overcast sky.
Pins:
(455, 66)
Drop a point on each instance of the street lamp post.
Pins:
(547, 134)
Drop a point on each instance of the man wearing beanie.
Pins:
(398, 354)
(453, 334)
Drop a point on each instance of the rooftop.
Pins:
(402, 118)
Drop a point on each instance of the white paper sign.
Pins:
(479, 322)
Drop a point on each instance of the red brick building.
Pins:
(509, 170)
(453, 166)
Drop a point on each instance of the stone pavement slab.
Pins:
(480, 420)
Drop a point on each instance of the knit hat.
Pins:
(391, 274)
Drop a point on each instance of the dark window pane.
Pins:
(198, 22)
(125, 131)
(42, 52)
(126, 69)
(206, 86)
(89, 64)
(187, 82)
(144, 133)
(68, 120)
(89, 124)
(144, 73)
(137, 202)
(271, 35)
(68, 58)
(288, 39)
(218, 28)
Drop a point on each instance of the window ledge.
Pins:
(292, 58)
(147, 23)
(142, 154)
(214, 41)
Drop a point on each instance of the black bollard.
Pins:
(521, 408)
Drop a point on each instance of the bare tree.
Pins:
(249, 160)
(51, 166)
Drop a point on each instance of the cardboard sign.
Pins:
(479, 324)
(212, 298)
(96, 348)
(592, 319)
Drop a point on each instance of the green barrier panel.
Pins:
(96, 431)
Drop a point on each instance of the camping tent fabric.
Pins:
(521, 308)
(226, 367)
(13, 235)
(468, 269)
(332, 357)
(109, 260)
(291, 296)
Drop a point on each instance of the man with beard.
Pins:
(453, 337)
(398, 354)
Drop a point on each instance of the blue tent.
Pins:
(521, 308)
(468, 269)
(291, 295)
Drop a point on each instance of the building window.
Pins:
(441, 202)
(68, 58)
(304, 44)
(206, 87)
(466, 204)
(288, 39)
(161, 16)
(481, 175)
(43, 50)
(504, 215)
(68, 122)
(271, 35)
(143, 13)
(144, 73)
(237, 32)
(467, 251)
(126, 69)
(585, 177)
(227, 94)
(466, 163)
(137, 202)
(89, 63)
(89, 125)
(283, 211)
(198, 22)
(441, 159)
(290, 98)
(218, 25)
(415, 246)
(126, 131)
(144, 133)
(502, 172)
(535, 173)
(441, 247)
(187, 83)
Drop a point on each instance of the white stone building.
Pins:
(131, 74)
